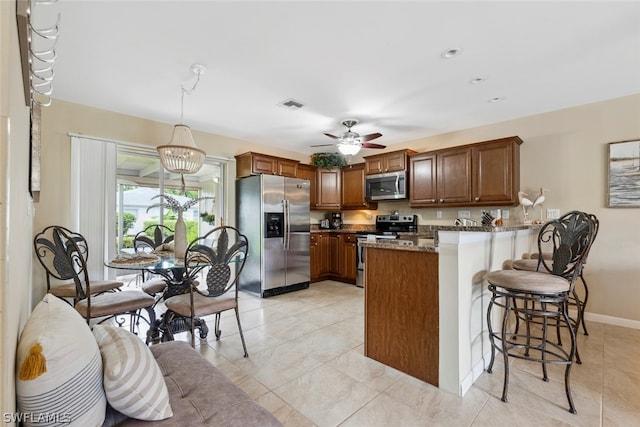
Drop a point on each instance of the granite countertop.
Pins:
(426, 229)
(405, 243)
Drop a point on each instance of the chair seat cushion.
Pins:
(114, 303)
(68, 290)
(528, 281)
(203, 306)
(153, 286)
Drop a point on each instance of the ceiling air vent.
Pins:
(291, 104)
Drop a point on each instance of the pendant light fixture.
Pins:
(182, 155)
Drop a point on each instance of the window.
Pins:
(140, 178)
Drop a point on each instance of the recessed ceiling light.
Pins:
(478, 80)
(450, 53)
(496, 99)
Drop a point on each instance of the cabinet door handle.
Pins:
(477, 199)
(441, 200)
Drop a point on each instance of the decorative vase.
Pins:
(180, 238)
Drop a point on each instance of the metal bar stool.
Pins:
(535, 264)
(542, 297)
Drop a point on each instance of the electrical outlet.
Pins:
(553, 213)
(438, 214)
(505, 213)
(464, 214)
(494, 213)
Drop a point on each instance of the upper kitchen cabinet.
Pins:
(482, 174)
(454, 176)
(496, 171)
(387, 162)
(254, 164)
(423, 179)
(327, 189)
(309, 172)
(353, 188)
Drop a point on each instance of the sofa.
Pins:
(200, 395)
(70, 374)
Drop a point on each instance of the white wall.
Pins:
(564, 151)
(15, 204)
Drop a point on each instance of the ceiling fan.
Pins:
(349, 143)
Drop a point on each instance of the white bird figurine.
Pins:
(539, 200)
(525, 203)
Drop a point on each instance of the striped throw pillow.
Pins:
(133, 381)
(59, 368)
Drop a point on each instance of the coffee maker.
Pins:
(336, 219)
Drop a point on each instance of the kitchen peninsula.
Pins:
(426, 300)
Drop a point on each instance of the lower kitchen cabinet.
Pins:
(333, 256)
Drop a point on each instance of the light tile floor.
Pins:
(306, 366)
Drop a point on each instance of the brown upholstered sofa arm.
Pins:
(199, 394)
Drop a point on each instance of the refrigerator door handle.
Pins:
(287, 225)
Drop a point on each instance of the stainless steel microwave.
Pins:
(386, 186)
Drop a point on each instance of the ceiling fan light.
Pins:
(349, 149)
(181, 155)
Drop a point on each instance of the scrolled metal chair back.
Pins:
(63, 254)
(152, 237)
(570, 237)
(222, 253)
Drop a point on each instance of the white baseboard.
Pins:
(475, 373)
(610, 320)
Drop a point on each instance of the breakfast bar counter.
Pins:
(426, 299)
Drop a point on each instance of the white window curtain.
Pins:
(93, 200)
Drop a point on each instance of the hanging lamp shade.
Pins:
(181, 155)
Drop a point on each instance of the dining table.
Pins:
(172, 270)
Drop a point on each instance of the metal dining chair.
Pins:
(62, 253)
(154, 237)
(220, 256)
(51, 253)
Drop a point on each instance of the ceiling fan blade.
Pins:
(323, 145)
(372, 145)
(332, 136)
(370, 136)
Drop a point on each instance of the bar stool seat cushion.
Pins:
(527, 264)
(528, 281)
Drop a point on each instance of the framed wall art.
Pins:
(623, 189)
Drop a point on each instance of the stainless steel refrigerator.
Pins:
(273, 212)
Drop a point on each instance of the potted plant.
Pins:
(328, 160)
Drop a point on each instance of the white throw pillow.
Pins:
(59, 368)
(133, 381)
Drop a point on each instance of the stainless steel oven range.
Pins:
(387, 227)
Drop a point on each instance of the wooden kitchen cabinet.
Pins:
(422, 180)
(482, 174)
(333, 256)
(353, 188)
(309, 172)
(327, 189)
(314, 255)
(387, 162)
(496, 171)
(348, 249)
(255, 164)
(454, 176)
